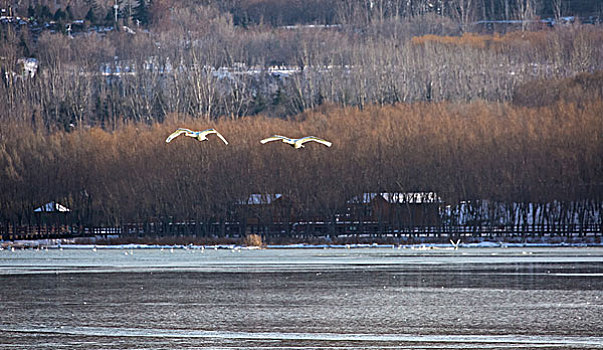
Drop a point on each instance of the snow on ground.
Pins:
(73, 244)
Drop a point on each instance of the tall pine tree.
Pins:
(141, 12)
(93, 11)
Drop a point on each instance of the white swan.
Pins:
(297, 143)
(199, 135)
(455, 246)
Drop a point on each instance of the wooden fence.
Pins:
(312, 230)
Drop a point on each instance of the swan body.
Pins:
(199, 135)
(296, 143)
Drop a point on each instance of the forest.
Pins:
(412, 101)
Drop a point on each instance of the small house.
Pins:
(396, 209)
(52, 207)
(263, 212)
(52, 213)
(52, 220)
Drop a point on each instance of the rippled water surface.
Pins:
(529, 298)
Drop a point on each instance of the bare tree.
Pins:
(465, 9)
(525, 11)
(557, 9)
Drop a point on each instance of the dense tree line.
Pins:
(293, 12)
(462, 151)
(412, 102)
(210, 68)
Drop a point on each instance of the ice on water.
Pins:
(371, 297)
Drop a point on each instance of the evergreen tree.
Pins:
(90, 16)
(43, 13)
(92, 5)
(60, 15)
(110, 17)
(69, 13)
(258, 104)
(141, 12)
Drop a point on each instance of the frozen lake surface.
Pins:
(480, 298)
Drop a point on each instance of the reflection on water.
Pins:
(283, 299)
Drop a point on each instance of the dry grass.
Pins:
(581, 89)
(561, 40)
(253, 240)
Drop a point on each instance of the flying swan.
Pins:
(297, 143)
(199, 135)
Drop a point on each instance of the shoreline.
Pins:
(72, 244)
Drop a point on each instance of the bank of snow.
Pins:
(90, 245)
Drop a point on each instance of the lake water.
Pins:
(528, 298)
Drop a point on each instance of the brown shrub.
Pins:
(581, 89)
(462, 151)
(253, 240)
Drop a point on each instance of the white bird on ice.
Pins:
(455, 245)
(199, 135)
(297, 143)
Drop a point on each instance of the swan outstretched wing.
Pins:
(315, 139)
(455, 245)
(274, 138)
(221, 137)
(177, 133)
(214, 131)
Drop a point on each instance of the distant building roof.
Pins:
(398, 197)
(257, 199)
(30, 65)
(52, 207)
